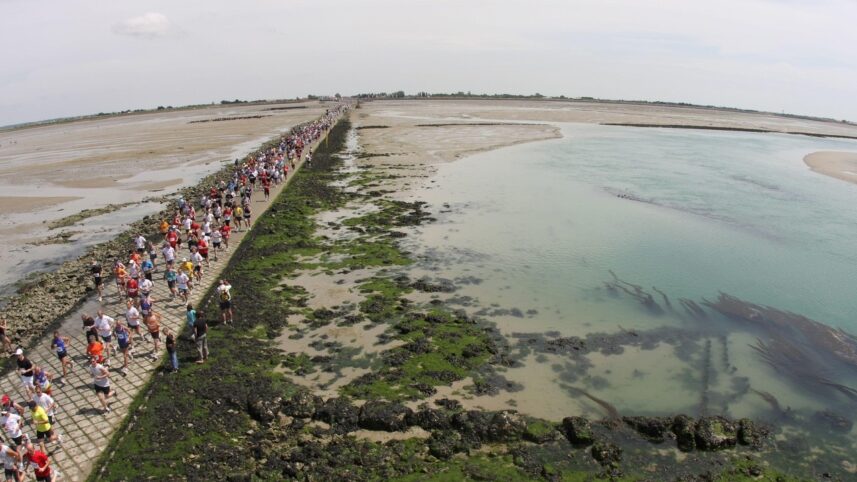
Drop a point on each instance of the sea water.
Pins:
(541, 226)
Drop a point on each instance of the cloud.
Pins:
(149, 25)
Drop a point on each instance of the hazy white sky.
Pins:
(70, 57)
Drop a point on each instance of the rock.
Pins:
(652, 429)
(749, 433)
(429, 419)
(264, 411)
(833, 421)
(301, 405)
(472, 424)
(578, 431)
(387, 416)
(606, 453)
(339, 414)
(715, 433)
(505, 426)
(448, 403)
(684, 429)
(446, 443)
(540, 431)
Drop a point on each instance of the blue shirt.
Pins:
(59, 344)
(147, 266)
(122, 337)
(191, 318)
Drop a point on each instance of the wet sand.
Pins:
(90, 164)
(841, 165)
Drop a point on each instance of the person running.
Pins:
(132, 288)
(88, 325)
(247, 214)
(7, 343)
(133, 318)
(6, 403)
(123, 339)
(183, 282)
(42, 378)
(190, 315)
(120, 273)
(153, 254)
(200, 335)
(197, 260)
(101, 382)
(227, 214)
(224, 293)
(173, 238)
(44, 429)
(216, 240)
(225, 230)
(153, 323)
(239, 216)
(148, 268)
(146, 287)
(95, 348)
(170, 276)
(169, 253)
(40, 463)
(10, 458)
(97, 273)
(25, 370)
(266, 186)
(60, 344)
(140, 243)
(202, 248)
(170, 343)
(47, 402)
(104, 326)
(13, 423)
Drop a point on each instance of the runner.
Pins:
(123, 338)
(60, 343)
(104, 326)
(132, 317)
(239, 216)
(216, 239)
(148, 267)
(44, 429)
(153, 254)
(173, 238)
(169, 253)
(140, 243)
(96, 272)
(101, 382)
(88, 325)
(47, 402)
(132, 288)
(190, 315)
(170, 275)
(197, 260)
(247, 214)
(94, 348)
(42, 378)
(183, 282)
(202, 247)
(40, 463)
(10, 459)
(146, 286)
(25, 370)
(6, 403)
(153, 323)
(121, 275)
(225, 230)
(225, 295)
(14, 426)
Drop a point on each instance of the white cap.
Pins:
(19, 352)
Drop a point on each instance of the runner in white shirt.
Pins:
(104, 326)
(197, 261)
(146, 287)
(47, 402)
(140, 243)
(14, 425)
(216, 239)
(182, 281)
(132, 316)
(169, 253)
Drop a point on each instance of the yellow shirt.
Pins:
(187, 266)
(41, 420)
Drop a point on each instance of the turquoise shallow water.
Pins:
(693, 213)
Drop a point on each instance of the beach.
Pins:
(841, 165)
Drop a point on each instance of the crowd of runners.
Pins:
(197, 233)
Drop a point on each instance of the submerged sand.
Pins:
(841, 165)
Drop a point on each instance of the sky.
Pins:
(76, 57)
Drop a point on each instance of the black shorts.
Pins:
(204, 255)
(47, 435)
(227, 221)
(99, 389)
(98, 281)
(62, 354)
(148, 275)
(141, 250)
(225, 305)
(156, 335)
(18, 440)
(246, 217)
(124, 348)
(45, 478)
(171, 284)
(11, 474)
(197, 268)
(216, 245)
(153, 256)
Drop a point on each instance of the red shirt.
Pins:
(224, 230)
(202, 246)
(41, 460)
(172, 238)
(131, 287)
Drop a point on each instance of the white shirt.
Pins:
(45, 401)
(104, 325)
(9, 462)
(133, 316)
(224, 288)
(197, 259)
(140, 241)
(169, 253)
(146, 286)
(96, 372)
(187, 223)
(11, 422)
(216, 237)
(182, 280)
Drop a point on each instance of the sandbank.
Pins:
(841, 165)
(25, 204)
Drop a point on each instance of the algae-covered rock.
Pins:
(505, 426)
(715, 433)
(606, 453)
(339, 414)
(750, 433)
(653, 429)
(540, 431)
(430, 419)
(301, 405)
(387, 416)
(578, 431)
(263, 410)
(684, 428)
(446, 443)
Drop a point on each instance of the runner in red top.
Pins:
(40, 463)
(225, 230)
(266, 185)
(202, 247)
(131, 288)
